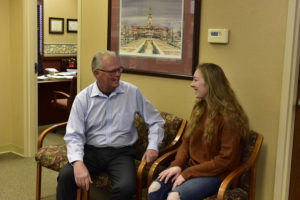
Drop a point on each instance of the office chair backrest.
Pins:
(73, 92)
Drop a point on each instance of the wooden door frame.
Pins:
(288, 102)
(30, 78)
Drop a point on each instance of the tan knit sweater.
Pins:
(218, 158)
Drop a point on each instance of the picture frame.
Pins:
(150, 41)
(72, 25)
(56, 25)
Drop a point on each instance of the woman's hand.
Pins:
(168, 173)
(179, 180)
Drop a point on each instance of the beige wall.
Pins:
(17, 76)
(253, 62)
(11, 74)
(66, 9)
(5, 74)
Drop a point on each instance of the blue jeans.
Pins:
(192, 189)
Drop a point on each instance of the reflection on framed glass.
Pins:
(155, 37)
(72, 25)
(56, 25)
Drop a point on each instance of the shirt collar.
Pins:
(97, 92)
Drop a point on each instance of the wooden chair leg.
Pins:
(139, 191)
(86, 194)
(79, 193)
(38, 181)
(139, 180)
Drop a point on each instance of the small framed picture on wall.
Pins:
(72, 25)
(56, 25)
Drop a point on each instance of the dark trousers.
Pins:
(117, 162)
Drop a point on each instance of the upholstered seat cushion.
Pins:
(234, 194)
(53, 157)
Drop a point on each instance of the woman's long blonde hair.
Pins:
(220, 100)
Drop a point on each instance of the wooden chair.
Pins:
(55, 156)
(239, 184)
(63, 100)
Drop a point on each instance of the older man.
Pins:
(101, 131)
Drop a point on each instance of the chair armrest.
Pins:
(229, 178)
(60, 93)
(177, 140)
(160, 160)
(45, 132)
(250, 163)
(163, 160)
(142, 166)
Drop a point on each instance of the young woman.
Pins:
(211, 143)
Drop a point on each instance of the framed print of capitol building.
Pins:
(155, 37)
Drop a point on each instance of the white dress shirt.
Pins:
(103, 121)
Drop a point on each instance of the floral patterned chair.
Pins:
(239, 184)
(55, 156)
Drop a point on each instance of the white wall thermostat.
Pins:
(218, 36)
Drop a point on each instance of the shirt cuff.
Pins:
(72, 159)
(72, 163)
(153, 146)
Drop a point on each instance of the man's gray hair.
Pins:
(97, 59)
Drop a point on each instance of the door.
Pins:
(294, 193)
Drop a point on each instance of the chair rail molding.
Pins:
(51, 49)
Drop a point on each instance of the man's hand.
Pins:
(150, 155)
(82, 175)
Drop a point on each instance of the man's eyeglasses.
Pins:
(120, 70)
